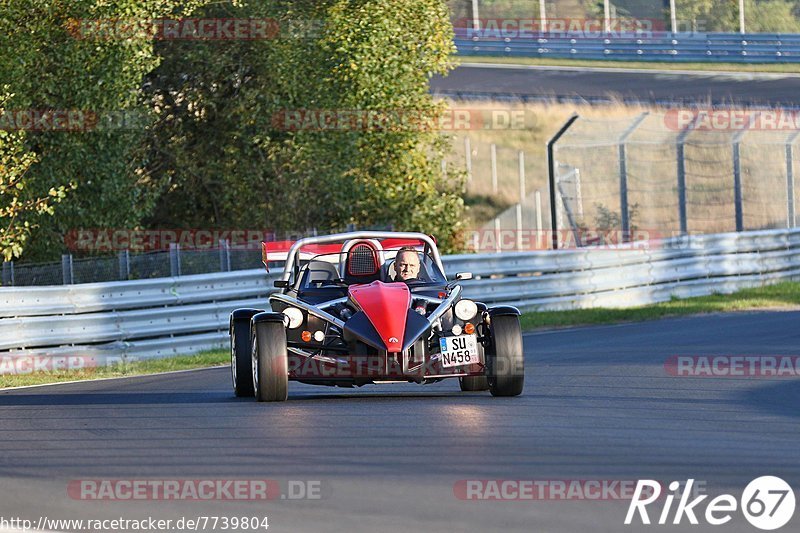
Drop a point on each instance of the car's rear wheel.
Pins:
(505, 370)
(473, 383)
(270, 362)
(241, 366)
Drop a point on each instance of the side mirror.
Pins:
(461, 276)
(280, 284)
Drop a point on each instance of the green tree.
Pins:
(224, 155)
(772, 16)
(19, 210)
(52, 64)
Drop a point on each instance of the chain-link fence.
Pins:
(220, 255)
(652, 175)
(127, 266)
(581, 16)
(647, 176)
(678, 172)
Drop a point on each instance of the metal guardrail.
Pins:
(679, 47)
(160, 317)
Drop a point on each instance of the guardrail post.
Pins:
(790, 207)
(551, 169)
(468, 158)
(174, 259)
(623, 177)
(476, 19)
(538, 197)
(8, 273)
(737, 174)
(623, 192)
(521, 198)
(67, 276)
(681, 164)
(494, 168)
(497, 235)
(682, 189)
(742, 27)
(542, 16)
(124, 262)
(578, 193)
(572, 216)
(224, 255)
(673, 16)
(737, 187)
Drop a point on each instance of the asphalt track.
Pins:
(598, 404)
(597, 85)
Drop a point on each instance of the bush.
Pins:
(224, 152)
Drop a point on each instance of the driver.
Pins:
(406, 265)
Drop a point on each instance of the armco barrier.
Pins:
(655, 46)
(161, 317)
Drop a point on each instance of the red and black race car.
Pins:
(345, 316)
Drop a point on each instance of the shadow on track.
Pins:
(184, 398)
(778, 399)
(394, 396)
(117, 398)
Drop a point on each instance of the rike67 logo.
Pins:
(768, 503)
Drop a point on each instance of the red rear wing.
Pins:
(279, 250)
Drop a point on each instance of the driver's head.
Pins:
(406, 264)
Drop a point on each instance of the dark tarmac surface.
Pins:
(593, 85)
(598, 405)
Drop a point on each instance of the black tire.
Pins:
(270, 362)
(473, 383)
(241, 365)
(505, 368)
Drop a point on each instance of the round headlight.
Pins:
(466, 309)
(295, 317)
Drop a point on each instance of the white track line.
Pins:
(107, 379)
(619, 70)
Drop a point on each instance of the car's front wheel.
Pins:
(269, 362)
(505, 370)
(241, 368)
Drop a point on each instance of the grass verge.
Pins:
(135, 368)
(780, 296)
(647, 65)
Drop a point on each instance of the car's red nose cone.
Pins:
(386, 305)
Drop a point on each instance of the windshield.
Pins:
(361, 265)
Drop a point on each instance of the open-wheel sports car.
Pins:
(344, 316)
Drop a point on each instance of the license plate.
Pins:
(460, 350)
